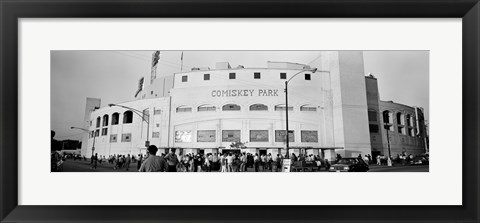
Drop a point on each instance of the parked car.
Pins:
(419, 160)
(349, 165)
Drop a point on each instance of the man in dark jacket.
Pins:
(153, 163)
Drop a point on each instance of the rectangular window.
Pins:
(258, 135)
(231, 76)
(230, 135)
(308, 108)
(158, 125)
(97, 132)
(309, 136)
(280, 136)
(157, 112)
(183, 136)
(283, 75)
(373, 128)
(256, 75)
(308, 77)
(184, 109)
(206, 108)
(184, 78)
(282, 108)
(372, 116)
(113, 138)
(155, 134)
(127, 137)
(104, 131)
(206, 136)
(92, 134)
(151, 92)
(206, 77)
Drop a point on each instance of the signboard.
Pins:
(258, 135)
(245, 93)
(206, 136)
(231, 136)
(286, 165)
(183, 136)
(280, 136)
(309, 136)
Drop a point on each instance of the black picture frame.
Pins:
(11, 11)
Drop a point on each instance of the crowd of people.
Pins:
(402, 158)
(226, 162)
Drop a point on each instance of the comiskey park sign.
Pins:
(245, 93)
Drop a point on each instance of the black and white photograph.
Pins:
(231, 111)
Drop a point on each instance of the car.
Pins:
(419, 160)
(349, 165)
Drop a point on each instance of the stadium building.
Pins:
(333, 108)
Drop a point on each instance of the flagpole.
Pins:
(181, 65)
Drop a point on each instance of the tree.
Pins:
(238, 145)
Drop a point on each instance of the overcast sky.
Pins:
(403, 76)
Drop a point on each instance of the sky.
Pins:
(403, 76)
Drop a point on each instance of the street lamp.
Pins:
(87, 131)
(142, 115)
(286, 105)
(389, 160)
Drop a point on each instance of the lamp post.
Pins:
(87, 131)
(286, 105)
(142, 115)
(389, 160)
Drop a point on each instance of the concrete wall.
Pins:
(90, 106)
(160, 87)
(350, 123)
(158, 125)
(373, 101)
(408, 141)
(268, 90)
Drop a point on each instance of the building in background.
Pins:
(336, 110)
(405, 125)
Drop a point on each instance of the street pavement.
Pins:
(85, 166)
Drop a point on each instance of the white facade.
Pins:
(209, 109)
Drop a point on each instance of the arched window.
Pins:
(388, 120)
(98, 122)
(409, 121)
(231, 107)
(387, 117)
(105, 120)
(203, 108)
(282, 108)
(127, 117)
(184, 109)
(258, 107)
(400, 119)
(115, 118)
(308, 108)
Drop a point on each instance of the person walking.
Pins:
(95, 160)
(128, 160)
(243, 162)
(230, 163)
(139, 161)
(172, 160)
(153, 163)
(223, 162)
(207, 164)
(256, 162)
